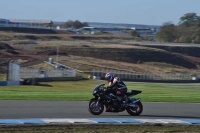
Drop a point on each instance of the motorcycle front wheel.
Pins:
(95, 109)
(135, 112)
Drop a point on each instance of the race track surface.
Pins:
(79, 109)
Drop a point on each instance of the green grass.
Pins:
(167, 92)
(82, 90)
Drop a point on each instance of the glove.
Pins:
(107, 89)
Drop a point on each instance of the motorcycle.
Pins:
(114, 103)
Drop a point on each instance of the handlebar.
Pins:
(104, 88)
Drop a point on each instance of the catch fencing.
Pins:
(143, 76)
(2, 77)
(15, 72)
(46, 73)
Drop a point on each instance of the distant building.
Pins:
(4, 21)
(79, 32)
(31, 22)
(58, 27)
(85, 30)
(25, 23)
(92, 30)
(144, 31)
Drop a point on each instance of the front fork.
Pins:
(98, 100)
(133, 100)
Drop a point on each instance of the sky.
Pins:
(148, 12)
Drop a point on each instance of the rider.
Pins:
(116, 83)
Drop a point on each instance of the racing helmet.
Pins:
(109, 76)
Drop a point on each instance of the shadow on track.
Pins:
(154, 116)
(164, 116)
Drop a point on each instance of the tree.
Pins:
(198, 21)
(68, 24)
(78, 24)
(188, 30)
(134, 33)
(167, 33)
(189, 19)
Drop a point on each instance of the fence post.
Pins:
(92, 73)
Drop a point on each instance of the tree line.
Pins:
(75, 24)
(186, 31)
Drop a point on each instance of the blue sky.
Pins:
(150, 12)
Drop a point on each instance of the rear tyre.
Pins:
(95, 109)
(136, 112)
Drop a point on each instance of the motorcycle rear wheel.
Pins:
(95, 109)
(136, 112)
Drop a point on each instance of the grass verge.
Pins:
(82, 91)
(100, 128)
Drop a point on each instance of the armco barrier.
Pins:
(14, 83)
(34, 81)
(5, 83)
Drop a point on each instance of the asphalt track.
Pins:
(10, 109)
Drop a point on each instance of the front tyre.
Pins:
(135, 112)
(95, 109)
